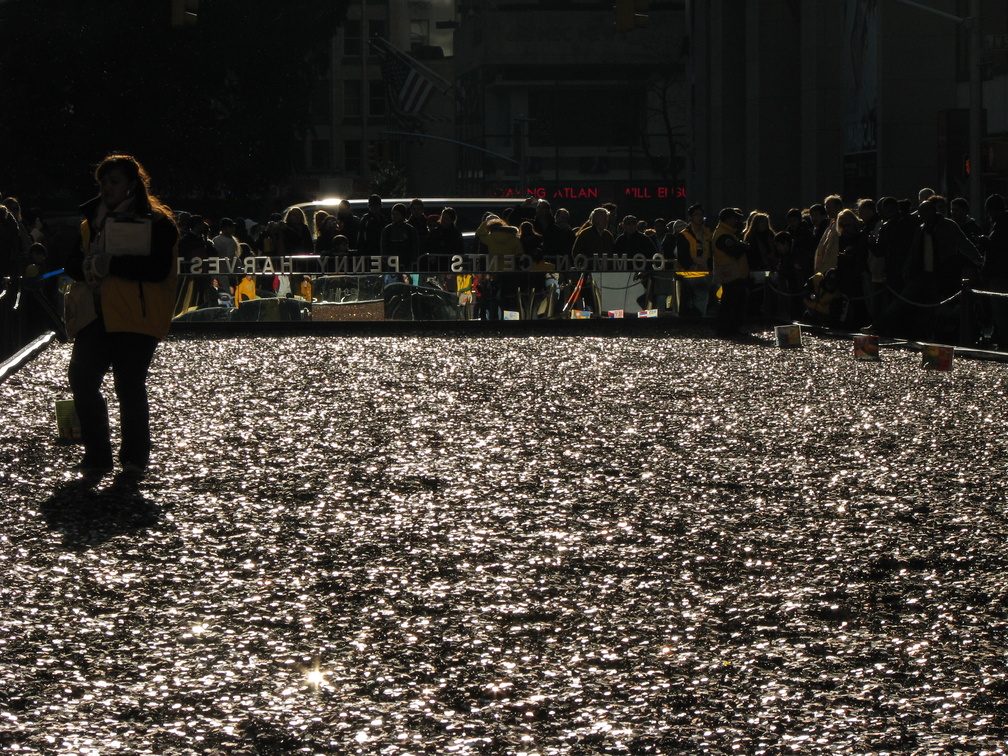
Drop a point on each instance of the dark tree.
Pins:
(212, 109)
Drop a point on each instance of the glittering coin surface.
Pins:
(537, 545)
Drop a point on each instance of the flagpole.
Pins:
(453, 141)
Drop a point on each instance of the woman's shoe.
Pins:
(90, 470)
(134, 470)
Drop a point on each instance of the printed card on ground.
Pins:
(866, 348)
(788, 336)
(936, 357)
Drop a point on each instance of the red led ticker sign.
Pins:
(635, 191)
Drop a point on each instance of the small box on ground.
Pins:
(866, 348)
(67, 422)
(936, 357)
(788, 336)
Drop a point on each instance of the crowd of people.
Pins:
(899, 267)
(892, 266)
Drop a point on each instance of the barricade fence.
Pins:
(470, 286)
(350, 264)
(438, 287)
(507, 287)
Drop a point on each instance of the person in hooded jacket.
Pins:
(504, 248)
(499, 238)
(132, 289)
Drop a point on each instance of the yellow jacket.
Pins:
(699, 251)
(245, 291)
(730, 261)
(138, 294)
(500, 239)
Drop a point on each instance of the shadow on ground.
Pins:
(88, 514)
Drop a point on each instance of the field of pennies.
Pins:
(531, 545)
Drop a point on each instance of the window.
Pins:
(575, 113)
(377, 28)
(321, 158)
(377, 104)
(378, 153)
(352, 99)
(353, 162)
(419, 29)
(321, 103)
(351, 39)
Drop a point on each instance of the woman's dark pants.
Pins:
(128, 356)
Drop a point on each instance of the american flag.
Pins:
(408, 89)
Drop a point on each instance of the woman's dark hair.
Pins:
(318, 219)
(130, 167)
(753, 231)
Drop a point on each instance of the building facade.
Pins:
(766, 104)
(793, 100)
(355, 132)
(554, 102)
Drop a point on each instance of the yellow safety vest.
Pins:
(726, 267)
(700, 252)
